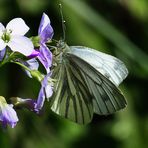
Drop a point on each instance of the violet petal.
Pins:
(7, 113)
(45, 29)
(45, 57)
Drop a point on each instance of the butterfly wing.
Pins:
(109, 66)
(107, 98)
(81, 87)
(71, 98)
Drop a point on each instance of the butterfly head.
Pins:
(62, 46)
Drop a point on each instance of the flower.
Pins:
(7, 113)
(36, 106)
(44, 55)
(45, 30)
(13, 37)
(45, 33)
(46, 91)
(23, 103)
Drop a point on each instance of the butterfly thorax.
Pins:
(59, 53)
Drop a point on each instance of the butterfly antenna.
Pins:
(62, 21)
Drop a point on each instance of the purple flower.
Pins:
(13, 37)
(7, 113)
(45, 30)
(23, 103)
(36, 105)
(46, 91)
(45, 33)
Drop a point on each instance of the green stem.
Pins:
(2, 63)
(34, 73)
(6, 60)
(23, 66)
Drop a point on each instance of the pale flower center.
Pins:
(6, 35)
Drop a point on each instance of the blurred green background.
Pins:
(117, 27)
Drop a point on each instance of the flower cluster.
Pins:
(29, 53)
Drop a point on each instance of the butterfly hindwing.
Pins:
(71, 98)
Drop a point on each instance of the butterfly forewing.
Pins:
(71, 98)
(109, 66)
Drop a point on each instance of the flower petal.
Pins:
(2, 53)
(40, 100)
(32, 64)
(34, 54)
(45, 57)
(21, 44)
(44, 22)
(48, 91)
(17, 26)
(45, 29)
(24, 103)
(2, 44)
(48, 86)
(10, 116)
(43, 94)
(2, 28)
(7, 113)
(46, 34)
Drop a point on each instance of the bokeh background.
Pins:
(117, 27)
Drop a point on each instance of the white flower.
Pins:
(13, 37)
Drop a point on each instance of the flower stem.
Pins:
(5, 58)
(23, 66)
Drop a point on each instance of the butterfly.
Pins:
(87, 82)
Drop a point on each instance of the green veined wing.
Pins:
(100, 94)
(106, 97)
(71, 98)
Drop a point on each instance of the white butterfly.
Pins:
(87, 82)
